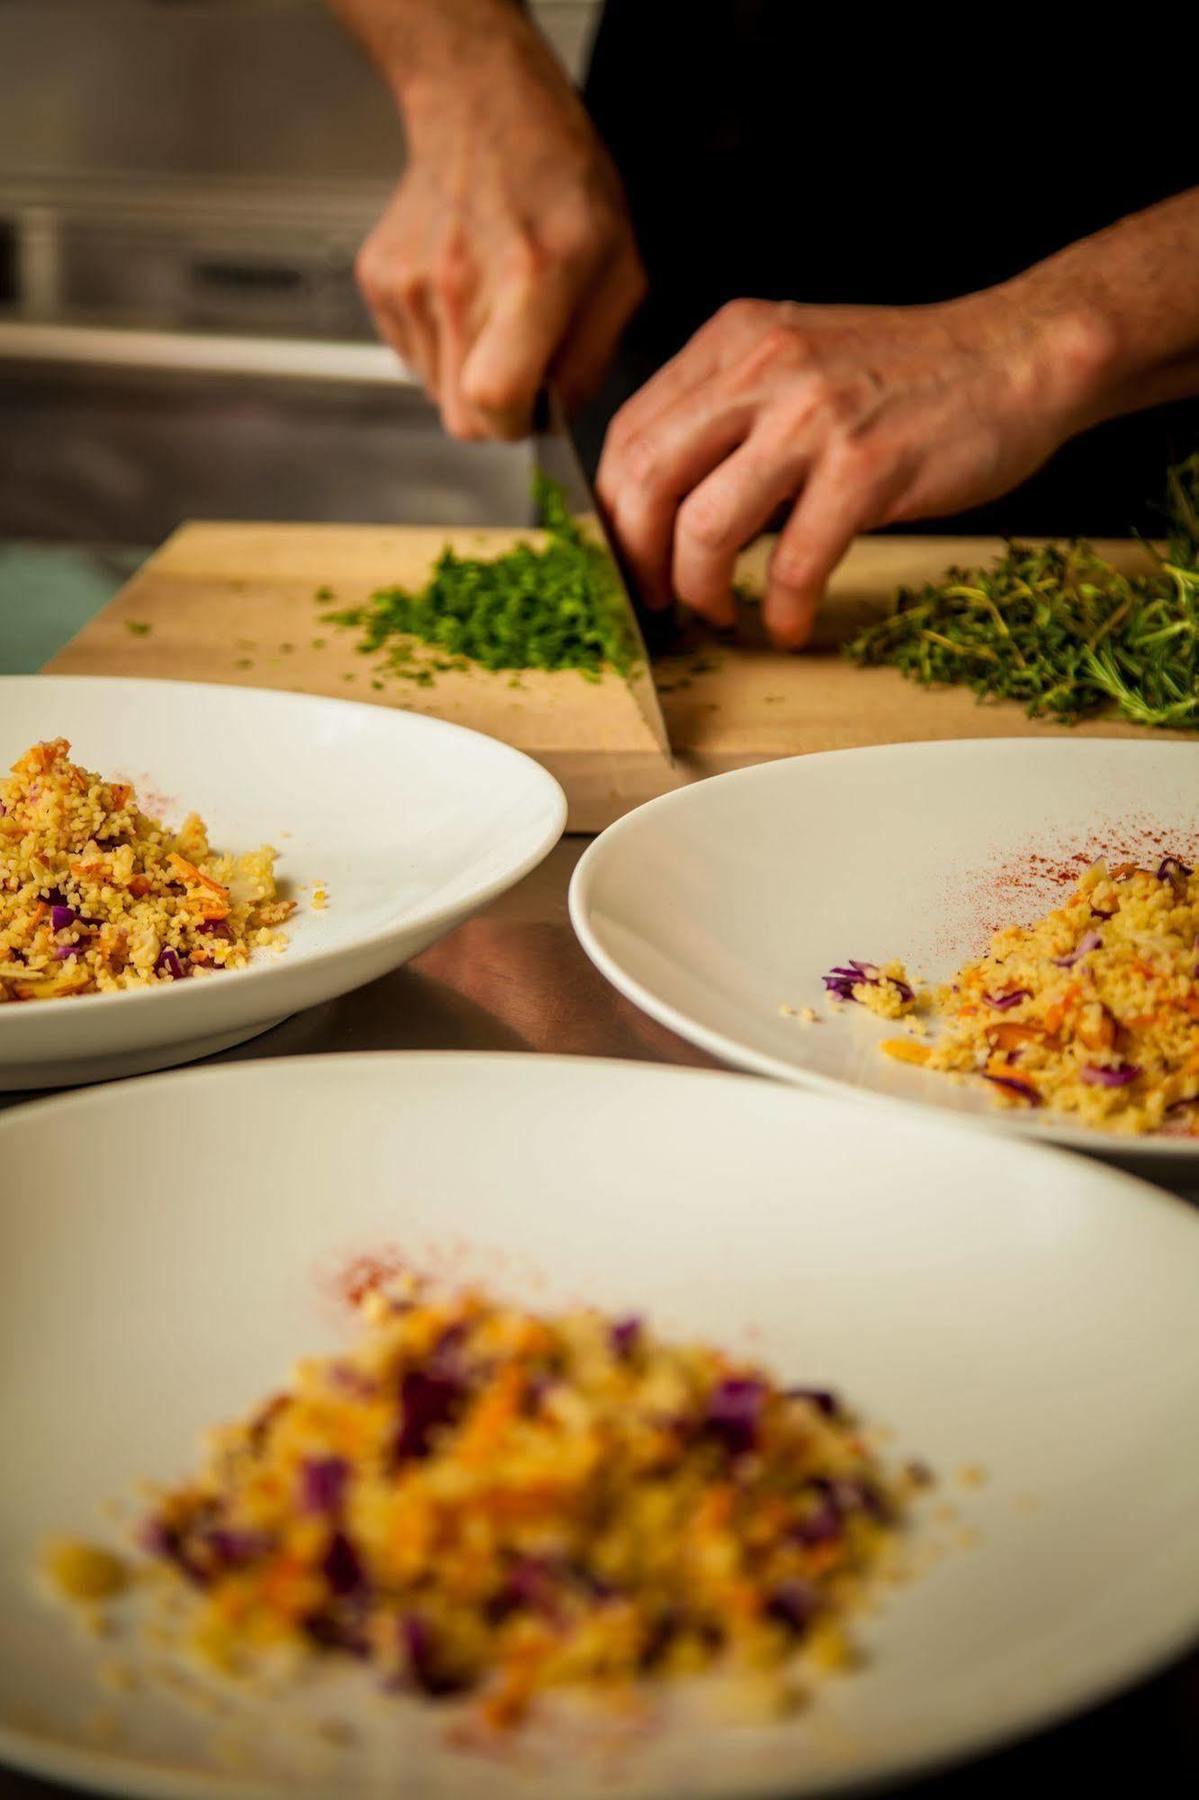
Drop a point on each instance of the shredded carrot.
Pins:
(715, 1508)
(1056, 1013)
(494, 1410)
(906, 1050)
(1101, 1036)
(1010, 1035)
(1007, 1071)
(189, 873)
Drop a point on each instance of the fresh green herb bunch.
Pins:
(552, 608)
(1060, 628)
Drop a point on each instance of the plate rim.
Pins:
(737, 1054)
(103, 1770)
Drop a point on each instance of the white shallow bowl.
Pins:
(719, 906)
(167, 1249)
(409, 823)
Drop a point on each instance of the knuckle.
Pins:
(736, 314)
(864, 461)
(777, 350)
(791, 567)
(828, 396)
(704, 522)
(618, 435)
(576, 227)
(453, 275)
(782, 343)
(641, 461)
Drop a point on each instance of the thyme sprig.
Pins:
(1061, 629)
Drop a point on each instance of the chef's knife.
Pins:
(558, 459)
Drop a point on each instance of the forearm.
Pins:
(1124, 305)
(419, 45)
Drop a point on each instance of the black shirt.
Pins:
(780, 151)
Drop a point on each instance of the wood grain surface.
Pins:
(237, 603)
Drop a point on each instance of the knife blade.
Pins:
(557, 458)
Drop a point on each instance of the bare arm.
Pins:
(863, 416)
(506, 251)
(1138, 285)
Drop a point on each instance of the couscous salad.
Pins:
(96, 896)
(479, 1499)
(1092, 1010)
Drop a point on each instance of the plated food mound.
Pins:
(1092, 1010)
(478, 1498)
(96, 896)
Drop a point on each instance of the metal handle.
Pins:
(300, 359)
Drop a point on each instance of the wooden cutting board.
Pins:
(239, 603)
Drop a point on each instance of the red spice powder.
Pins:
(364, 1275)
(1018, 888)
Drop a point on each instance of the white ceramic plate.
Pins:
(719, 905)
(166, 1249)
(409, 823)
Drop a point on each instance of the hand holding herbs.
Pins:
(555, 607)
(1060, 628)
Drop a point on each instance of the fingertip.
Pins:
(463, 431)
(720, 611)
(655, 599)
(789, 615)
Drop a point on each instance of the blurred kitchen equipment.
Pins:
(183, 189)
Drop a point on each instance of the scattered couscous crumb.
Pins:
(96, 896)
(881, 988)
(84, 1572)
(481, 1499)
(118, 1677)
(320, 897)
(971, 1475)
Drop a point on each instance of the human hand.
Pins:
(862, 416)
(506, 252)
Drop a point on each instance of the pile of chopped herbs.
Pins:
(554, 607)
(1060, 628)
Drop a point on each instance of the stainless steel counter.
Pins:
(515, 979)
